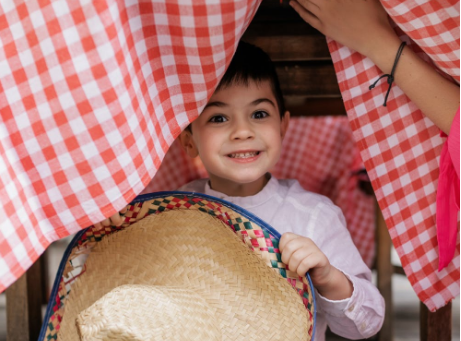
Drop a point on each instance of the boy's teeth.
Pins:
(243, 155)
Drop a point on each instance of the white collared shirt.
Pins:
(287, 207)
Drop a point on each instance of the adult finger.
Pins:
(310, 5)
(306, 15)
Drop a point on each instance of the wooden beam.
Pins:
(310, 78)
(24, 306)
(314, 106)
(385, 270)
(435, 325)
(288, 41)
(291, 47)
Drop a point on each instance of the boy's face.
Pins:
(238, 137)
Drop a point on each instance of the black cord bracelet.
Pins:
(390, 77)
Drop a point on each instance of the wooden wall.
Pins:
(303, 63)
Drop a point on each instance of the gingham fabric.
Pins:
(321, 154)
(92, 94)
(400, 147)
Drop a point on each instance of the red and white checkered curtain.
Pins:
(400, 147)
(92, 94)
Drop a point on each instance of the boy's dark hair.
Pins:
(252, 63)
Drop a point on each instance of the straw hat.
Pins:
(183, 274)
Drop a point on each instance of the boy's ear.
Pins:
(187, 142)
(285, 123)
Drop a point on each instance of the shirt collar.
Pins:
(251, 201)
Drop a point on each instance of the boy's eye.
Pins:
(218, 119)
(260, 114)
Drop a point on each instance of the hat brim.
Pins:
(257, 237)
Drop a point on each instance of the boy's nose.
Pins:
(242, 131)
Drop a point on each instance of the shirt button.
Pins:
(363, 326)
(351, 308)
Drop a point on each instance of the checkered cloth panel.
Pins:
(434, 26)
(92, 94)
(400, 147)
(319, 152)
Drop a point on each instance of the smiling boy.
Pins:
(238, 137)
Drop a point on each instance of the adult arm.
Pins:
(363, 26)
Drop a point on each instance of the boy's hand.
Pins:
(302, 255)
(116, 219)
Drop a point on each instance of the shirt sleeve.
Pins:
(361, 315)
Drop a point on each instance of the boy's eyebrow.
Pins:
(262, 100)
(255, 102)
(216, 104)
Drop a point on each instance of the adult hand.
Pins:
(353, 23)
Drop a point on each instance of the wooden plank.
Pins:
(399, 270)
(279, 31)
(44, 278)
(314, 79)
(435, 325)
(308, 106)
(291, 47)
(273, 11)
(384, 270)
(23, 306)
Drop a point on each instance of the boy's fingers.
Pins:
(124, 210)
(286, 237)
(105, 222)
(291, 247)
(116, 219)
(307, 264)
(97, 226)
(297, 257)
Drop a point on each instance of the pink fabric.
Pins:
(453, 143)
(448, 196)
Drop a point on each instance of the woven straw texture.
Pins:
(160, 313)
(214, 264)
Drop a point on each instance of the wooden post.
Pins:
(435, 326)
(24, 306)
(384, 270)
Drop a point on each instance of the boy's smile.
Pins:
(238, 137)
